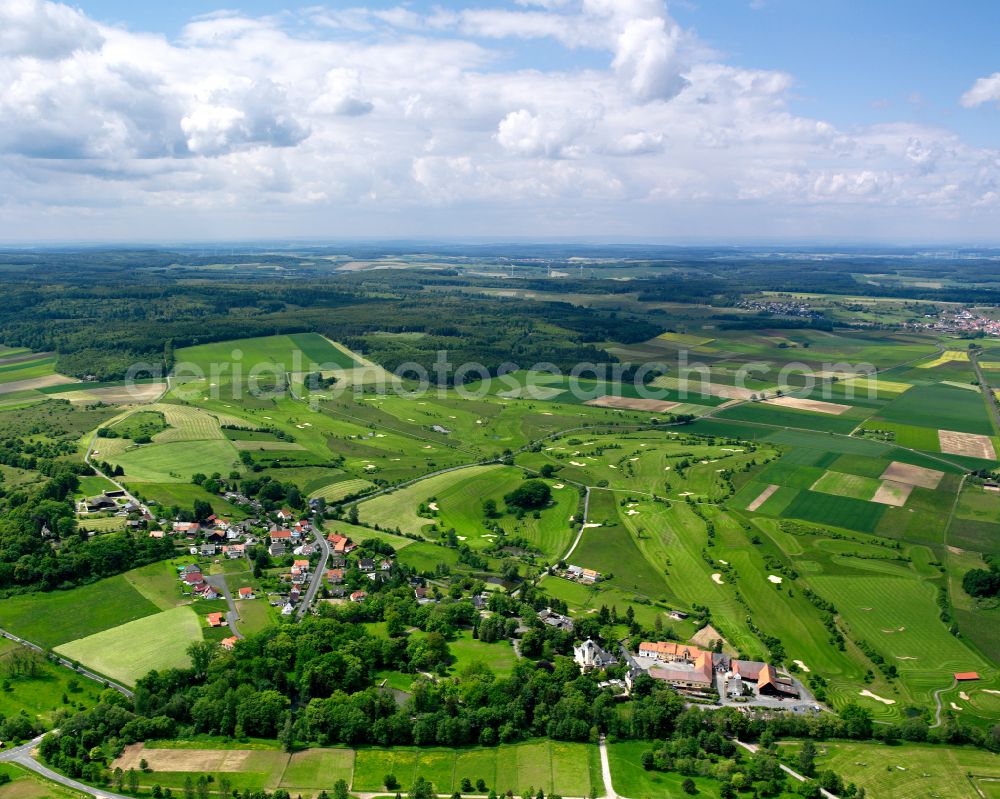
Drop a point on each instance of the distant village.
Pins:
(964, 321)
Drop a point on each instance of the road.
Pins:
(984, 384)
(316, 580)
(69, 664)
(218, 582)
(22, 756)
(109, 478)
(583, 525)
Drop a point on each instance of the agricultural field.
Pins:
(301, 352)
(58, 617)
(567, 768)
(133, 649)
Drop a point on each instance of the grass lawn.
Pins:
(175, 462)
(128, 652)
(631, 779)
(158, 583)
(909, 771)
(57, 617)
(300, 352)
(40, 696)
(398, 509)
(25, 784)
(499, 655)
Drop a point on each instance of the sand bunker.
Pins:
(904, 657)
(588, 525)
(892, 493)
(576, 463)
(433, 506)
(762, 497)
(774, 578)
(801, 665)
(963, 695)
(912, 475)
(877, 698)
(969, 444)
(816, 406)
(558, 486)
(630, 404)
(955, 707)
(718, 579)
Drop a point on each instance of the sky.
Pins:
(730, 121)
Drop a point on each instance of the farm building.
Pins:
(746, 675)
(557, 620)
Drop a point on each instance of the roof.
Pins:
(281, 534)
(966, 675)
(670, 649)
(699, 672)
(748, 669)
(230, 642)
(214, 619)
(246, 591)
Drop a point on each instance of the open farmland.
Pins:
(553, 766)
(131, 650)
(59, 617)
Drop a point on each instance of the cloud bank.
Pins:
(332, 122)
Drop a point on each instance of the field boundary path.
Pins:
(583, 525)
(789, 771)
(69, 664)
(991, 400)
(937, 702)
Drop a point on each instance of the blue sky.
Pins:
(729, 120)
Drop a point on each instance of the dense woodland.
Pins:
(102, 311)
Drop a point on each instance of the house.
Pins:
(276, 550)
(335, 576)
(207, 550)
(590, 576)
(283, 536)
(420, 592)
(245, 593)
(341, 543)
(553, 619)
(288, 609)
(589, 655)
(301, 564)
(189, 529)
(285, 514)
(385, 565)
(358, 596)
(215, 537)
(156, 534)
(337, 563)
(97, 504)
(234, 551)
(215, 620)
(192, 577)
(229, 643)
(678, 615)
(366, 565)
